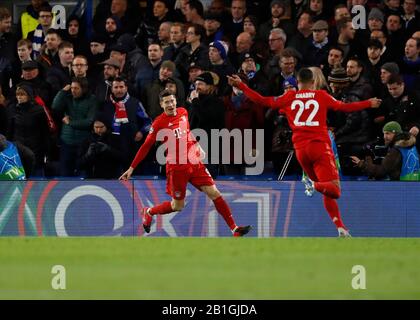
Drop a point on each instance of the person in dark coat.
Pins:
(128, 119)
(28, 124)
(207, 112)
(100, 154)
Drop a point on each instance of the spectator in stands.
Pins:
(8, 40)
(373, 66)
(387, 55)
(410, 65)
(147, 32)
(31, 75)
(78, 108)
(387, 70)
(164, 34)
(277, 20)
(24, 50)
(126, 11)
(49, 52)
(316, 53)
(402, 160)
(59, 75)
(410, 17)
(130, 71)
(7, 49)
(177, 88)
(97, 54)
(37, 36)
(244, 42)
(241, 113)
(76, 35)
(100, 154)
(194, 70)
(194, 51)
(402, 106)
(235, 23)
(251, 26)
(395, 34)
(177, 42)
(113, 29)
(80, 66)
(351, 130)
(304, 32)
(149, 70)
(194, 12)
(29, 18)
(150, 94)
(392, 7)
(376, 19)
(111, 72)
(276, 40)
(359, 85)
(128, 119)
(287, 68)
(335, 60)
(220, 64)
(346, 34)
(213, 27)
(28, 125)
(317, 7)
(255, 77)
(207, 112)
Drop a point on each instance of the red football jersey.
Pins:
(306, 111)
(181, 145)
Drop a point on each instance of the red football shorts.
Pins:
(177, 179)
(317, 160)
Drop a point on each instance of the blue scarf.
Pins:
(37, 41)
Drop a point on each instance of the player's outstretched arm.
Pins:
(235, 81)
(352, 106)
(126, 175)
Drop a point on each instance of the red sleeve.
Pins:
(345, 107)
(272, 102)
(145, 148)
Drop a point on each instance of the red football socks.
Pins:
(163, 208)
(332, 209)
(329, 189)
(224, 210)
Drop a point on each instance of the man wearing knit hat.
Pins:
(219, 63)
(387, 70)
(338, 81)
(401, 161)
(376, 19)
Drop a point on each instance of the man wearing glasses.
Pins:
(37, 36)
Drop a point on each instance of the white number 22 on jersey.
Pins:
(310, 104)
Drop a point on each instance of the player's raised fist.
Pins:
(234, 80)
(375, 102)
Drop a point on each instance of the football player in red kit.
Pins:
(306, 112)
(183, 164)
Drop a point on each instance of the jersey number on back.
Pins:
(310, 104)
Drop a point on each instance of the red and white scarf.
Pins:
(120, 111)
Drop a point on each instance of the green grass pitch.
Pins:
(209, 268)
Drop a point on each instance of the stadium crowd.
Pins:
(82, 100)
